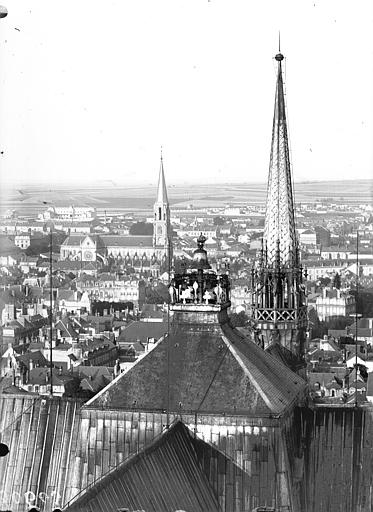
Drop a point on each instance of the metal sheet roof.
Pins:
(165, 476)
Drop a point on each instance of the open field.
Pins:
(29, 200)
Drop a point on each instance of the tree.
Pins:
(218, 221)
(39, 245)
(157, 294)
(141, 228)
(337, 281)
(324, 281)
(238, 319)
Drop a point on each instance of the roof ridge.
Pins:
(247, 371)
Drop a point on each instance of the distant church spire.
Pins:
(280, 237)
(162, 190)
(162, 223)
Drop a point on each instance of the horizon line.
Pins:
(137, 184)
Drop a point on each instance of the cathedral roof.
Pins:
(166, 475)
(210, 368)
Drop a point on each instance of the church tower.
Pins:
(162, 224)
(279, 301)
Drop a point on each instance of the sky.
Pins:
(90, 90)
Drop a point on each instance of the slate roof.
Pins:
(77, 239)
(66, 329)
(166, 475)
(141, 331)
(212, 370)
(37, 358)
(151, 311)
(127, 241)
(67, 295)
(93, 377)
(323, 378)
(41, 376)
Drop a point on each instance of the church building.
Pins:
(132, 250)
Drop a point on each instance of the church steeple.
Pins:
(280, 236)
(162, 224)
(162, 190)
(279, 303)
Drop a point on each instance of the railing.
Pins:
(280, 315)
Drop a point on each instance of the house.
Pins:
(37, 380)
(22, 241)
(325, 344)
(360, 359)
(152, 313)
(327, 384)
(307, 237)
(73, 301)
(140, 337)
(142, 332)
(100, 351)
(334, 302)
(335, 253)
(363, 331)
(93, 378)
(10, 254)
(110, 288)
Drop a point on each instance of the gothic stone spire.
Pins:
(280, 239)
(162, 226)
(162, 190)
(279, 303)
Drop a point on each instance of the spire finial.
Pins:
(279, 57)
(161, 153)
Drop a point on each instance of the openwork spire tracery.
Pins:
(279, 301)
(280, 238)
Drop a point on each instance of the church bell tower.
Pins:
(279, 302)
(162, 224)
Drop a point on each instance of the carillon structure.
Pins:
(279, 301)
